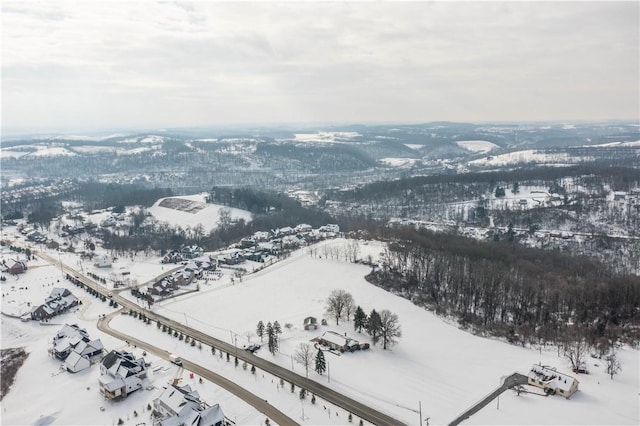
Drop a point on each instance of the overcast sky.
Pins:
(71, 65)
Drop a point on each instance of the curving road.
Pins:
(349, 404)
(258, 403)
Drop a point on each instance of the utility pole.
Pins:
(420, 412)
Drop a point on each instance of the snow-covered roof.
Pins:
(338, 339)
(552, 377)
(76, 362)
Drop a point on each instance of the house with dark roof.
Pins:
(59, 301)
(120, 374)
(180, 405)
(15, 267)
(310, 323)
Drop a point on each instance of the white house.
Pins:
(552, 381)
(180, 405)
(72, 345)
(330, 227)
(121, 374)
(102, 262)
(337, 341)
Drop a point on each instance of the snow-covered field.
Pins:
(477, 145)
(399, 162)
(435, 364)
(527, 156)
(207, 215)
(326, 137)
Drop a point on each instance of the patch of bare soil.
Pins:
(187, 206)
(10, 362)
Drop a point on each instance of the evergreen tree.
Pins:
(260, 330)
(359, 319)
(321, 364)
(374, 326)
(276, 328)
(272, 339)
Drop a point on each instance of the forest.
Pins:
(526, 295)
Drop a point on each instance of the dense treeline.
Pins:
(525, 294)
(620, 178)
(274, 209)
(96, 195)
(319, 158)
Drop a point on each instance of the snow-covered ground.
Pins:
(326, 137)
(435, 364)
(477, 145)
(528, 156)
(205, 214)
(399, 162)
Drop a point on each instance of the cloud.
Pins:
(236, 62)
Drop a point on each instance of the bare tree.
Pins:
(612, 363)
(339, 303)
(304, 355)
(224, 218)
(575, 350)
(390, 328)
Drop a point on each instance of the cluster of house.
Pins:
(32, 235)
(185, 253)
(14, 266)
(15, 196)
(59, 301)
(552, 381)
(180, 405)
(191, 271)
(263, 244)
(73, 346)
(120, 374)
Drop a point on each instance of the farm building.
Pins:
(310, 323)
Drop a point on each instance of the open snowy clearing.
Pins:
(445, 368)
(207, 215)
(477, 145)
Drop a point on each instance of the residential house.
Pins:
(552, 381)
(102, 261)
(59, 301)
(247, 243)
(303, 227)
(337, 341)
(261, 236)
(191, 252)
(121, 374)
(16, 267)
(67, 339)
(180, 405)
(310, 323)
(331, 227)
(72, 345)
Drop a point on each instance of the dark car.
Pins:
(252, 348)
